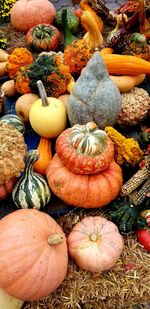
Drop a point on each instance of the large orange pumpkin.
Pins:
(28, 13)
(33, 254)
(87, 191)
(85, 149)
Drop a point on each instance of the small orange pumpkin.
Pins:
(34, 257)
(92, 246)
(43, 37)
(84, 149)
(89, 191)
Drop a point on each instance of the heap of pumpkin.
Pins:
(92, 87)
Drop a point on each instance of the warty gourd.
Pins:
(94, 96)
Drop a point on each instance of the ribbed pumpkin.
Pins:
(84, 149)
(43, 37)
(28, 13)
(92, 246)
(32, 190)
(34, 258)
(89, 191)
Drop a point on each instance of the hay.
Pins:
(124, 286)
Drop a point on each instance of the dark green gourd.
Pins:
(32, 190)
(94, 96)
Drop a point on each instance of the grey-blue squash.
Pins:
(94, 96)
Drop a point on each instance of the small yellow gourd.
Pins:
(47, 116)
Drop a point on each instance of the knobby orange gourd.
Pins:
(45, 155)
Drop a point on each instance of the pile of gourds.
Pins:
(80, 99)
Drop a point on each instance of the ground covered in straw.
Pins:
(124, 286)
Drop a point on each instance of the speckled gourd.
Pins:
(94, 96)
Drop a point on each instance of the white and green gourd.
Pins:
(88, 139)
(32, 190)
(14, 121)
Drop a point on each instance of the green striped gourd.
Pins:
(15, 121)
(32, 190)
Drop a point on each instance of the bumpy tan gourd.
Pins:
(94, 96)
(135, 107)
(12, 152)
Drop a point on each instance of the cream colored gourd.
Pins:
(126, 83)
(3, 68)
(8, 89)
(94, 96)
(3, 55)
(23, 105)
(48, 116)
(9, 302)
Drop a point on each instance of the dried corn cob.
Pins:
(142, 193)
(135, 181)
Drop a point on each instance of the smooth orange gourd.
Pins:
(106, 51)
(85, 7)
(45, 155)
(125, 65)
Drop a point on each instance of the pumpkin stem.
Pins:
(55, 239)
(42, 93)
(93, 237)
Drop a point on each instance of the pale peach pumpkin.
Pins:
(33, 254)
(95, 244)
(28, 13)
(87, 191)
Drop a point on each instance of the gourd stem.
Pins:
(55, 239)
(93, 237)
(42, 93)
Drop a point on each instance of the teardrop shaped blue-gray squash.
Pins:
(94, 96)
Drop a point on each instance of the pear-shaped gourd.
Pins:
(94, 96)
(32, 190)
